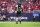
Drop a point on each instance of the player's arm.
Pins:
(22, 10)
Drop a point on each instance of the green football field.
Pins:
(23, 24)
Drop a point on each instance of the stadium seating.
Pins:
(9, 6)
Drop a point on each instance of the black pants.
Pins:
(4, 19)
(18, 14)
(33, 19)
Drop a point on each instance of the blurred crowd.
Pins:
(9, 6)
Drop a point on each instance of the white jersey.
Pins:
(20, 8)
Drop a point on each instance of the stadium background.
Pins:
(30, 7)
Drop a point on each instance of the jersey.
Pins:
(4, 16)
(19, 7)
(34, 17)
